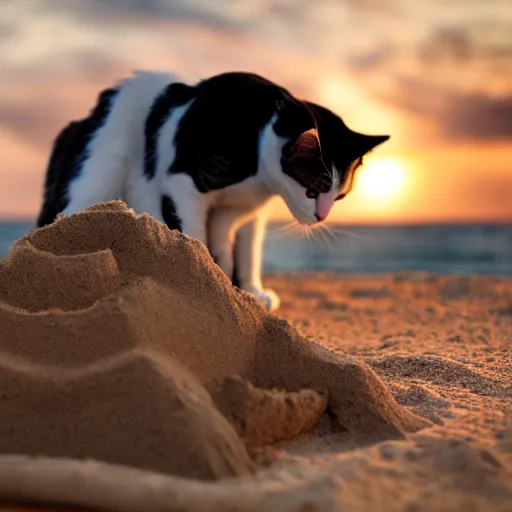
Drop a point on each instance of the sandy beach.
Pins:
(135, 377)
(443, 346)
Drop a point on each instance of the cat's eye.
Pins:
(311, 193)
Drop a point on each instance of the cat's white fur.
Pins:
(218, 218)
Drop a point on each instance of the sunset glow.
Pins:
(381, 180)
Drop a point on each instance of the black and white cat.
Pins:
(205, 159)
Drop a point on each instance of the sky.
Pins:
(435, 75)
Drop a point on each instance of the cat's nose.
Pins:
(324, 204)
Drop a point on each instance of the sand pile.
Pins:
(122, 341)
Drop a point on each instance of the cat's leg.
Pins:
(222, 225)
(248, 254)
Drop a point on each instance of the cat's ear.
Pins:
(366, 143)
(306, 146)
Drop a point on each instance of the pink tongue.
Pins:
(324, 204)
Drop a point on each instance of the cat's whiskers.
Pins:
(306, 229)
(323, 230)
(306, 232)
(315, 230)
(300, 230)
(289, 228)
(338, 232)
(311, 231)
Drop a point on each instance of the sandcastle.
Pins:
(123, 342)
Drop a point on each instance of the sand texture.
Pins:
(135, 377)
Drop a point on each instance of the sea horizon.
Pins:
(440, 248)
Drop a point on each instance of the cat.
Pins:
(205, 158)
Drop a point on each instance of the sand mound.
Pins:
(116, 334)
(263, 416)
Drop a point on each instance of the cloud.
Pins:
(29, 121)
(447, 43)
(489, 37)
(457, 114)
(36, 101)
(478, 116)
(222, 12)
(212, 14)
(367, 61)
(7, 31)
(456, 76)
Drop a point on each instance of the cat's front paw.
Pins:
(269, 298)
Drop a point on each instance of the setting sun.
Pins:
(381, 180)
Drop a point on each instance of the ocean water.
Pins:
(443, 249)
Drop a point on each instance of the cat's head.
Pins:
(318, 162)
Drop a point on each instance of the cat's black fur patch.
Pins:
(68, 153)
(169, 213)
(174, 95)
(217, 141)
